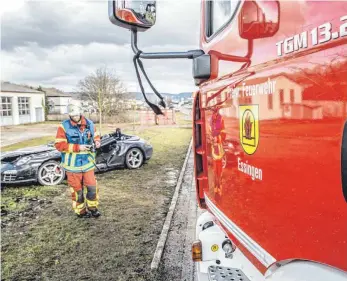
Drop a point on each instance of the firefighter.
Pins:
(218, 137)
(74, 139)
(150, 13)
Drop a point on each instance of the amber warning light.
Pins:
(197, 251)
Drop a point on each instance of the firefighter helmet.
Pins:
(74, 109)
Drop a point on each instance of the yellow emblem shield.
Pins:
(249, 127)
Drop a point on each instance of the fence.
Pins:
(145, 117)
(148, 117)
(119, 118)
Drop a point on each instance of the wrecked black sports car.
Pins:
(42, 163)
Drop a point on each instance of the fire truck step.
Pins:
(221, 273)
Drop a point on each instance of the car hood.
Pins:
(134, 138)
(26, 151)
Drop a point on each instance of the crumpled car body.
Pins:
(42, 163)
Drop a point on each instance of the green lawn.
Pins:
(28, 143)
(43, 240)
(47, 139)
(182, 119)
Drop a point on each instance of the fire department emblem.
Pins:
(249, 127)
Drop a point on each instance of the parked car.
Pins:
(42, 163)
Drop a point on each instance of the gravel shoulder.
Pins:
(176, 263)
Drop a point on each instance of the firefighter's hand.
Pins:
(97, 144)
(84, 147)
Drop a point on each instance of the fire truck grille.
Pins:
(221, 273)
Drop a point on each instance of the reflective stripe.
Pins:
(91, 157)
(73, 159)
(60, 140)
(84, 168)
(218, 156)
(92, 204)
(69, 161)
(66, 159)
(80, 206)
(82, 152)
(71, 147)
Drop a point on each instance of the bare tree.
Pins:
(105, 90)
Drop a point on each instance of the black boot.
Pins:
(84, 215)
(95, 213)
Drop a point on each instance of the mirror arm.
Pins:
(225, 57)
(163, 55)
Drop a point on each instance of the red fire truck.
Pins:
(270, 136)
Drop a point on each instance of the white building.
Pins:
(21, 104)
(283, 99)
(58, 101)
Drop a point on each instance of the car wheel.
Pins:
(50, 173)
(134, 158)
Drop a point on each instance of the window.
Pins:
(291, 96)
(269, 102)
(218, 14)
(6, 106)
(23, 106)
(281, 96)
(244, 99)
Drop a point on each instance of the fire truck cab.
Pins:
(270, 138)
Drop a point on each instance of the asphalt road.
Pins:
(14, 134)
(176, 263)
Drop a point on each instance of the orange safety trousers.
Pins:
(81, 183)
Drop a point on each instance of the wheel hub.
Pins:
(51, 174)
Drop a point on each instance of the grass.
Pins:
(17, 199)
(37, 141)
(182, 119)
(43, 240)
(28, 143)
(32, 124)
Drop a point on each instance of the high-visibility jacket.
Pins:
(218, 133)
(68, 139)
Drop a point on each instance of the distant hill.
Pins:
(151, 96)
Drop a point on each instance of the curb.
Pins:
(164, 233)
(189, 269)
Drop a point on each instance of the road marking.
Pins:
(164, 233)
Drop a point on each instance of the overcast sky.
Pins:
(57, 43)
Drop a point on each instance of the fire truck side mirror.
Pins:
(134, 15)
(259, 19)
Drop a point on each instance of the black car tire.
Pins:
(134, 158)
(48, 174)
